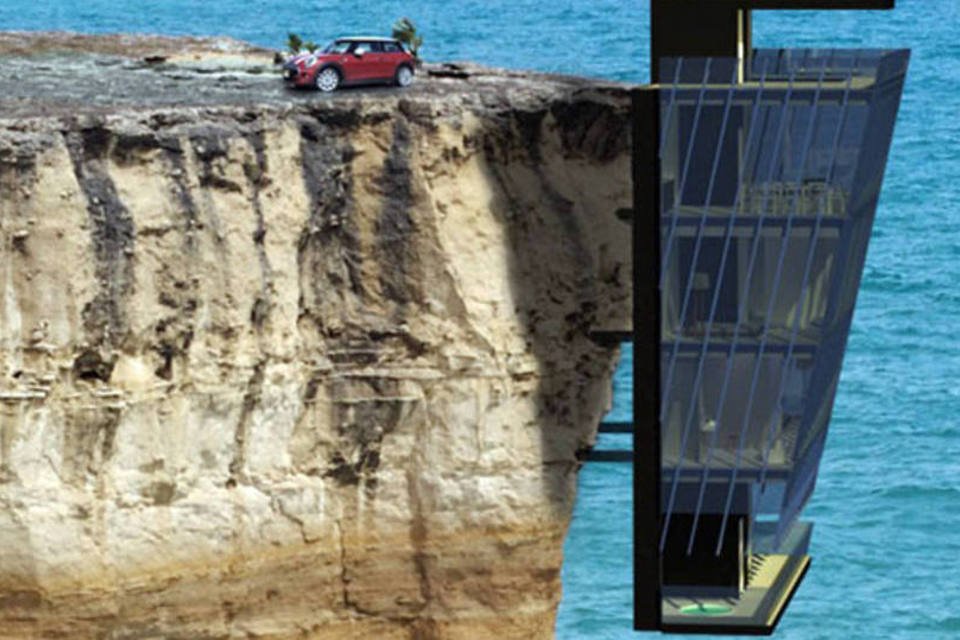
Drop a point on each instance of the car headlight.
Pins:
(312, 60)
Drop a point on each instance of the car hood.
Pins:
(301, 58)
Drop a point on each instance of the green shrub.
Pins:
(296, 44)
(406, 32)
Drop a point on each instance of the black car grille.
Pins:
(290, 71)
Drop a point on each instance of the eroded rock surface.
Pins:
(281, 365)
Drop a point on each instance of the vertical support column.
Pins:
(647, 572)
(744, 43)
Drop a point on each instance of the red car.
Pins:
(351, 61)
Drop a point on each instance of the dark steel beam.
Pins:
(610, 338)
(615, 427)
(610, 455)
(647, 578)
(806, 4)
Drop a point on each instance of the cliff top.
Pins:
(66, 74)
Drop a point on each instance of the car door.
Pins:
(356, 62)
(392, 55)
(379, 63)
(372, 60)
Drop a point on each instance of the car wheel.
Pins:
(404, 77)
(328, 80)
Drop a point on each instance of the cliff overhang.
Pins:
(282, 364)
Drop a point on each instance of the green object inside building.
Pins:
(705, 609)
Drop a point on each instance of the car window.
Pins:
(337, 47)
(377, 47)
(391, 47)
(362, 47)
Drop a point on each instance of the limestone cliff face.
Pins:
(307, 367)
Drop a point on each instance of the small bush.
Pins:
(405, 31)
(296, 44)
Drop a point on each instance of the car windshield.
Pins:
(337, 46)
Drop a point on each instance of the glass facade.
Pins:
(770, 175)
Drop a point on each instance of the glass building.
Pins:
(770, 170)
(756, 177)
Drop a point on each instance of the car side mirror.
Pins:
(359, 53)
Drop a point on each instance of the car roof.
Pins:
(366, 38)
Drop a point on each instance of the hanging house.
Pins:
(757, 175)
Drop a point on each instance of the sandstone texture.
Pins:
(282, 365)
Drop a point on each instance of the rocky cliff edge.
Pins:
(276, 364)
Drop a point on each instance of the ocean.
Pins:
(886, 546)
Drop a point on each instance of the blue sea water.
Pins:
(887, 507)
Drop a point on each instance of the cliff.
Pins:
(276, 364)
